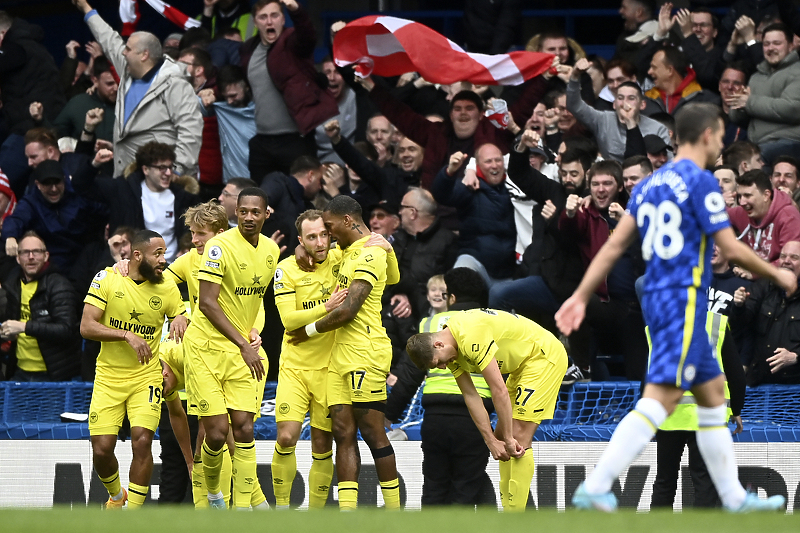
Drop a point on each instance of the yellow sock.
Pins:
(391, 493)
(348, 495)
(226, 475)
(199, 490)
(284, 468)
(519, 482)
(505, 474)
(244, 468)
(136, 495)
(257, 496)
(113, 486)
(212, 464)
(319, 479)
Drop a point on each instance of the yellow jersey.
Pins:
(136, 306)
(185, 269)
(243, 272)
(172, 354)
(29, 357)
(483, 334)
(366, 329)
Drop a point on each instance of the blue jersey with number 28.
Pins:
(677, 209)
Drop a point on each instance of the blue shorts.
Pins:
(682, 354)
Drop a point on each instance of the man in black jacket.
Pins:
(41, 316)
(454, 457)
(149, 198)
(772, 318)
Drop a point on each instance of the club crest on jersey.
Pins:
(336, 271)
(278, 274)
(270, 261)
(155, 303)
(215, 252)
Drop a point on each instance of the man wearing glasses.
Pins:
(40, 317)
(150, 197)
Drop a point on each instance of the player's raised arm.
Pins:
(93, 329)
(571, 313)
(209, 306)
(737, 252)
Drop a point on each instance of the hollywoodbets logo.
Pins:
(143, 330)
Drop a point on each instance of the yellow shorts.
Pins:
(363, 385)
(111, 400)
(217, 381)
(300, 391)
(534, 390)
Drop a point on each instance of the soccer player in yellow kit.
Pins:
(225, 370)
(303, 297)
(496, 343)
(361, 356)
(206, 221)
(126, 315)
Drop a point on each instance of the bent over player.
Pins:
(494, 343)
(126, 315)
(679, 214)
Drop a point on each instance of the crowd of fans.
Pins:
(148, 128)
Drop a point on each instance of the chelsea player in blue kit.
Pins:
(679, 214)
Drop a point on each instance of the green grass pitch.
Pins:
(61, 520)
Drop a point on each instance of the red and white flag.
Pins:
(390, 46)
(129, 13)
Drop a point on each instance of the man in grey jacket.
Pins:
(155, 101)
(612, 128)
(772, 100)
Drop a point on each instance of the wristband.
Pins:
(311, 330)
(751, 42)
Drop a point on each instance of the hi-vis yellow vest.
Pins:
(684, 418)
(441, 381)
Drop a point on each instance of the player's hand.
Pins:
(615, 211)
(13, 327)
(122, 267)
(548, 210)
(570, 315)
(783, 358)
(336, 299)
(297, 336)
(402, 307)
(470, 180)
(740, 296)
(334, 131)
(36, 109)
(573, 202)
(303, 259)
(140, 346)
(253, 361)
(178, 327)
(255, 339)
(455, 162)
(376, 239)
(497, 449)
(787, 281)
(277, 237)
(11, 247)
(739, 424)
(190, 468)
(514, 448)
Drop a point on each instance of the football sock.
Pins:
(113, 486)
(716, 446)
(199, 490)
(257, 496)
(348, 495)
(212, 465)
(244, 468)
(520, 472)
(226, 475)
(505, 475)
(628, 441)
(319, 479)
(136, 495)
(284, 468)
(391, 493)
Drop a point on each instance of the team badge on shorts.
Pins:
(689, 372)
(93, 417)
(215, 252)
(203, 405)
(284, 408)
